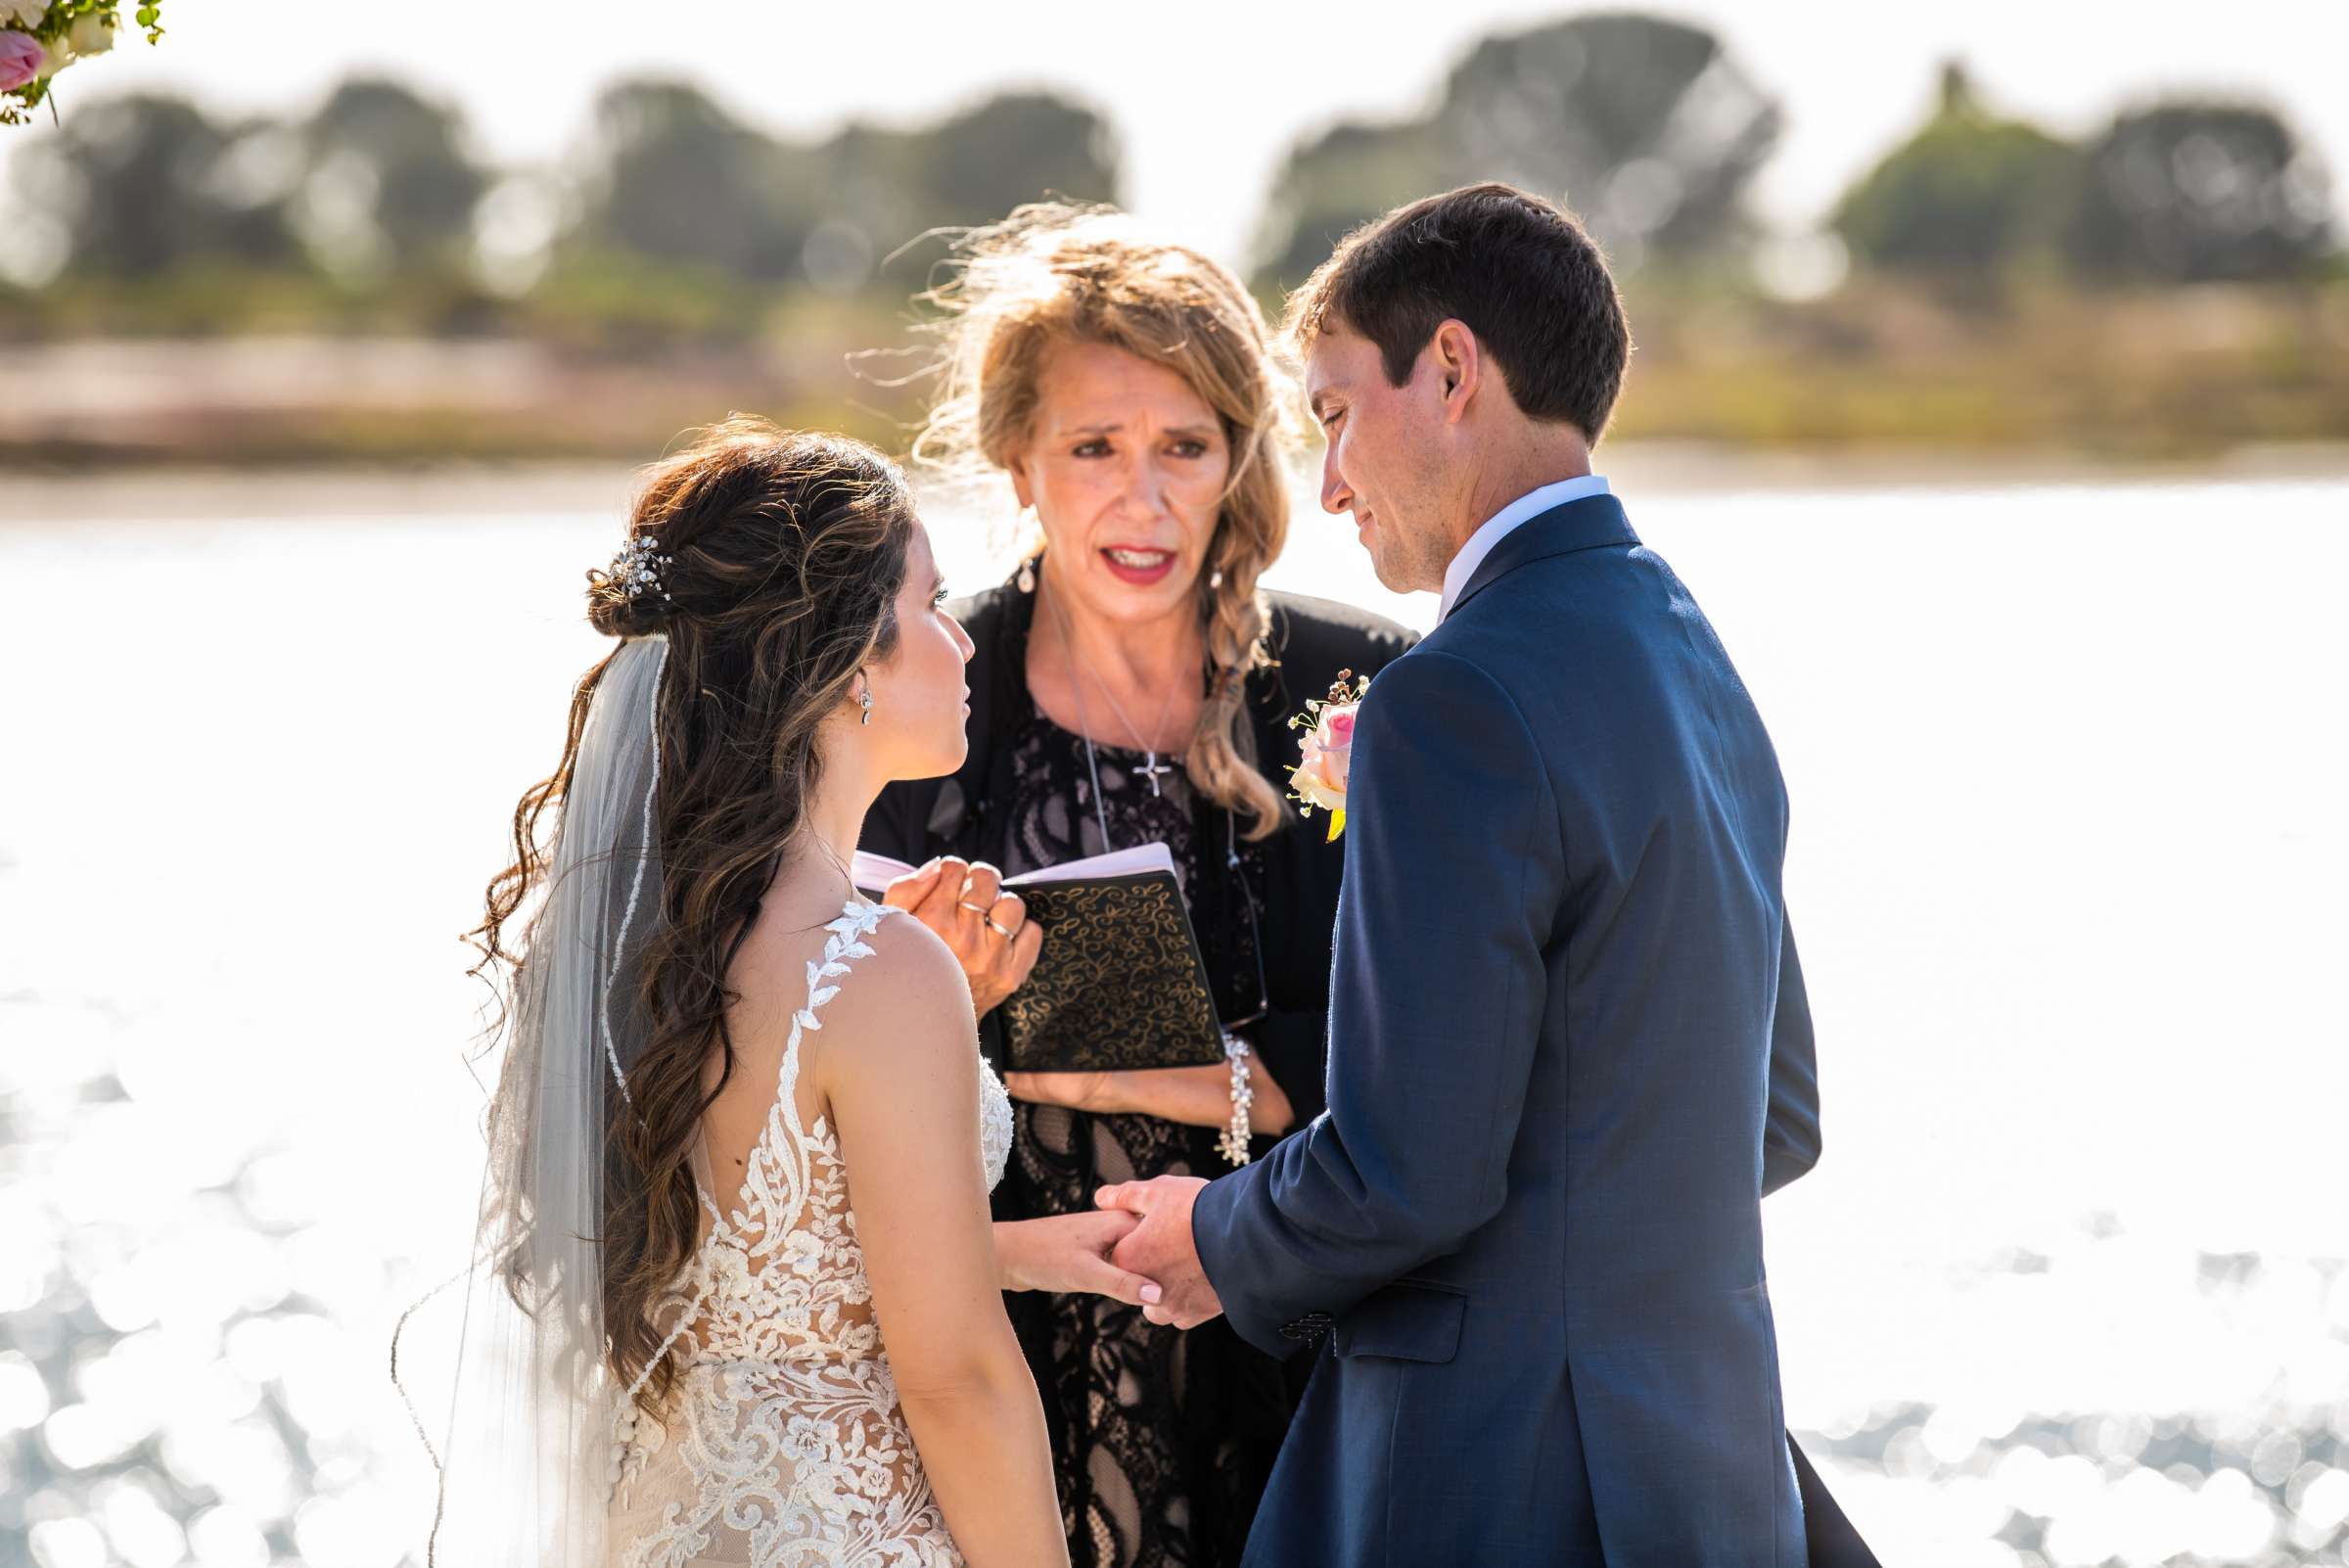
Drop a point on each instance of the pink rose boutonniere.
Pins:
(1319, 777)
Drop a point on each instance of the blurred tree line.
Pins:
(671, 211)
(2180, 192)
(669, 218)
(1653, 133)
(1646, 127)
(1988, 280)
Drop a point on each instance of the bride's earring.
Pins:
(864, 700)
(1214, 579)
(1027, 575)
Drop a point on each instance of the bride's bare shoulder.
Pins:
(912, 961)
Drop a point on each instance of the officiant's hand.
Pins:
(1079, 1091)
(1070, 1253)
(1161, 1247)
(964, 903)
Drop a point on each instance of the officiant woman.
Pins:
(1133, 683)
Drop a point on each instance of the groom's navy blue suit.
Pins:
(1569, 1053)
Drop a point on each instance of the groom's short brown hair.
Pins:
(1517, 270)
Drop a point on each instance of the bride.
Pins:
(735, 1296)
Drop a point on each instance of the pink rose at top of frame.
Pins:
(21, 59)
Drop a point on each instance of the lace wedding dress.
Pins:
(786, 1446)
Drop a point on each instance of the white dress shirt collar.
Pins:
(1505, 522)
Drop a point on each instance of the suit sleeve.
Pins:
(1790, 1141)
(1455, 871)
(1292, 1048)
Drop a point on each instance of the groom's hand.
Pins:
(1160, 1247)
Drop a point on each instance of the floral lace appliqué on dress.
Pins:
(787, 1446)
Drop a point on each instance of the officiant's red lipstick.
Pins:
(1139, 565)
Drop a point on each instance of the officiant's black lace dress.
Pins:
(1168, 1437)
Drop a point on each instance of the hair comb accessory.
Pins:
(636, 568)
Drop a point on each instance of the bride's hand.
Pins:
(1069, 1253)
(1079, 1091)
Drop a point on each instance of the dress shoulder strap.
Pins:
(843, 944)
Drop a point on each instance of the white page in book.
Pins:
(1141, 858)
(874, 872)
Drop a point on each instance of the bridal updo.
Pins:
(1052, 274)
(749, 525)
(771, 561)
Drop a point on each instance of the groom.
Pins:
(1569, 1045)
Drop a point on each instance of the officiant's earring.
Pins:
(864, 700)
(1214, 579)
(1028, 577)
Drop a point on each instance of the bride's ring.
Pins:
(1001, 931)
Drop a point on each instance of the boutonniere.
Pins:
(1319, 777)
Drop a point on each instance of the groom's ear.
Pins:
(1459, 367)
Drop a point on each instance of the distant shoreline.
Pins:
(309, 492)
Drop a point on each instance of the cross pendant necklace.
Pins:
(1151, 768)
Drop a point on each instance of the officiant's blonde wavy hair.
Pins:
(1053, 273)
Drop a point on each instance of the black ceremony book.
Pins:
(1118, 983)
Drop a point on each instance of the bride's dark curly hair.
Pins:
(786, 553)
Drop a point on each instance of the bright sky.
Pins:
(1209, 95)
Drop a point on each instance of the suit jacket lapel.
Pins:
(1588, 523)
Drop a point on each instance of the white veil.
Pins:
(525, 1444)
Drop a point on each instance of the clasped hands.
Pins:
(1159, 1248)
(1135, 1247)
